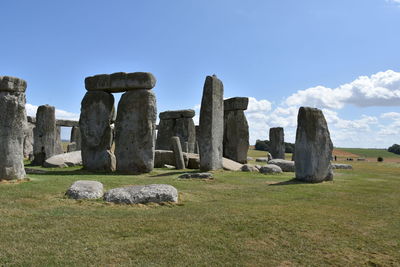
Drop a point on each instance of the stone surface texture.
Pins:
(236, 129)
(84, 189)
(249, 168)
(135, 130)
(120, 82)
(162, 157)
(198, 175)
(12, 127)
(342, 166)
(76, 137)
(96, 133)
(270, 168)
(142, 194)
(211, 128)
(313, 147)
(285, 165)
(277, 143)
(28, 140)
(64, 160)
(177, 149)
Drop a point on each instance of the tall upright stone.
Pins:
(211, 127)
(313, 147)
(277, 143)
(177, 123)
(96, 133)
(46, 143)
(135, 129)
(28, 140)
(76, 137)
(12, 126)
(177, 149)
(236, 129)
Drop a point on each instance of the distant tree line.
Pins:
(395, 149)
(264, 146)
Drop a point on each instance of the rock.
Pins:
(177, 114)
(177, 149)
(64, 160)
(28, 140)
(31, 119)
(341, 166)
(211, 124)
(270, 168)
(76, 137)
(12, 127)
(261, 159)
(193, 163)
(199, 175)
(67, 123)
(96, 132)
(46, 135)
(71, 147)
(142, 194)
(249, 168)
(120, 82)
(236, 132)
(12, 84)
(59, 147)
(230, 165)
(135, 130)
(236, 103)
(313, 147)
(162, 157)
(277, 143)
(269, 156)
(85, 190)
(285, 165)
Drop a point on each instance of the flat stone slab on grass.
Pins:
(199, 175)
(249, 168)
(64, 160)
(286, 165)
(141, 194)
(84, 189)
(262, 159)
(270, 168)
(341, 166)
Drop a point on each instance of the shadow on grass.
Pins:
(289, 182)
(172, 173)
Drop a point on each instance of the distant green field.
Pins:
(370, 152)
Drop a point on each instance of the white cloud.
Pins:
(60, 114)
(393, 1)
(380, 89)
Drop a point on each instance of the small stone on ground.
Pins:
(84, 189)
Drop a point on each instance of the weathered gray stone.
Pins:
(193, 163)
(261, 159)
(162, 157)
(67, 123)
(96, 133)
(313, 147)
(285, 165)
(46, 135)
(341, 166)
(31, 119)
(277, 143)
(64, 160)
(236, 103)
(71, 147)
(59, 147)
(230, 165)
(28, 140)
(177, 114)
(12, 84)
(249, 168)
(270, 168)
(85, 190)
(199, 175)
(211, 129)
(135, 130)
(142, 194)
(76, 137)
(120, 82)
(177, 149)
(12, 126)
(236, 136)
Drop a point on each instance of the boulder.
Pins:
(135, 130)
(313, 147)
(120, 82)
(64, 160)
(142, 194)
(85, 190)
(341, 166)
(249, 168)
(211, 128)
(12, 84)
(277, 144)
(230, 165)
(199, 175)
(285, 165)
(270, 168)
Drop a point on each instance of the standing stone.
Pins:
(176, 147)
(177, 123)
(46, 143)
(211, 128)
(96, 133)
(76, 137)
(313, 147)
(236, 129)
(28, 140)
(135, 130)
(12, 126)
(59, 146)
(277, 143)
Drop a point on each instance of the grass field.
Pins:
(370, 152)
(238, 219)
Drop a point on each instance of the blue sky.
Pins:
(284, 54)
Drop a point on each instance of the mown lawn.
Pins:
(238, 219)
(371, 152)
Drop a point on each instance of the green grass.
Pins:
(371, 152)
(238, 219)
